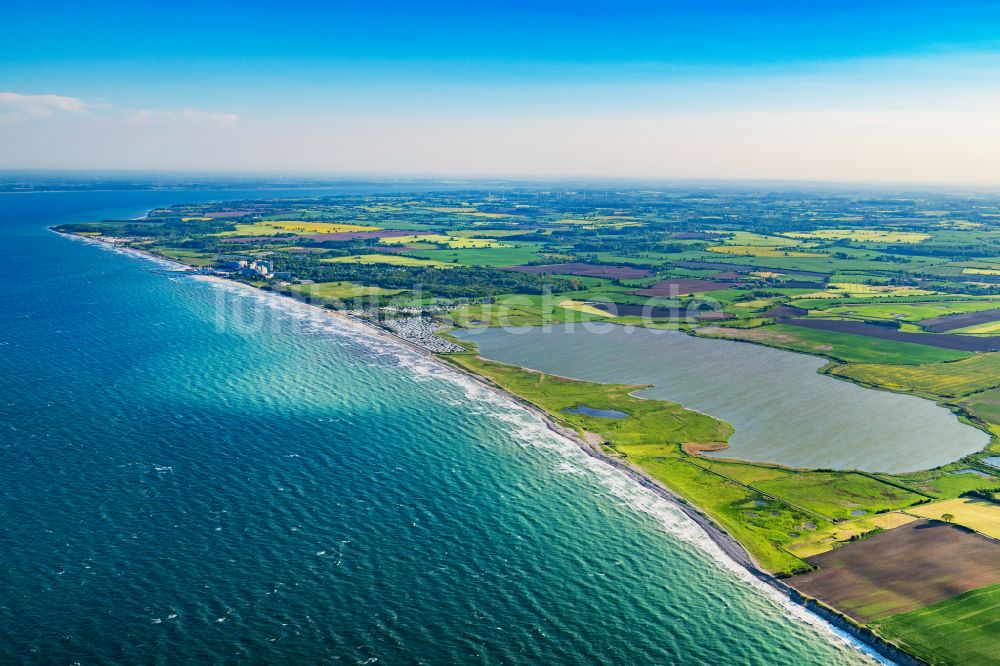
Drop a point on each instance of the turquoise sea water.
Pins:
(190, 475)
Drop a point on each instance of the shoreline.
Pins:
(863, 639)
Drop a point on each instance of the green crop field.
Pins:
(960, 631)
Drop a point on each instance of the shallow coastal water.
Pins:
(190, 474)
(783, 411)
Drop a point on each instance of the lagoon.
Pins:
(783, 411)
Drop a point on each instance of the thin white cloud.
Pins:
(15, 106)
(143, 116)
(19, 107)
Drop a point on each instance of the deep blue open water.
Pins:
(192, 475)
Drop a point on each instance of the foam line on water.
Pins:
(115, 249)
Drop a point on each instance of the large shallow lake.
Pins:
(784, 411)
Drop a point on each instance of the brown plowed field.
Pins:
(906, 568)
(940, 340)
(632, 310)
(951, 322)
(683, 286)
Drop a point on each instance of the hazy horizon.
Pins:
(299, 179)
(883, 93)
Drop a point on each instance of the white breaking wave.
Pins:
(159, 261)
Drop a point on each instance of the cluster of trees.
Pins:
(950, 251)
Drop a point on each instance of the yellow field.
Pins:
(820, 541)
(855, 289)
(489, 234)
(979, 329)
(758, 251)
(851, 289)
(863, 235)
(586, 308)
(737, 237)
(200, 219)
(287, 226)
(317, 227)
(759, 303)
(980, 271)
(252, 230)
(979, 515)
(456, 242)
(392, 259)
(954, 378)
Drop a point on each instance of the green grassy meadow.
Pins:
(340, 290)
(957, 632)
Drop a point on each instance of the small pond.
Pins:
(597, 413)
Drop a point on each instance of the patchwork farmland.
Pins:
(910, 567)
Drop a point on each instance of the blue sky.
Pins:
(367, 87)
